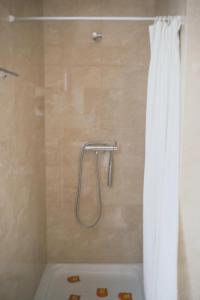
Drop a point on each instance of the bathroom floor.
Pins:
(116, 279)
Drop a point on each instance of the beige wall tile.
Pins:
(189, 186)
(95, 92)
(189, 248)
(171, 7)
(96, 245)
(104, 7)
(22, 205)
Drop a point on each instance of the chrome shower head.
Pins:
(97, 35)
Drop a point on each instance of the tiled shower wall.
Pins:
(95, 91)
(190, 160)
(22, 195)
(189, 248)
(170, 7)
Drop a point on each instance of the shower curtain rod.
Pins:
(80, 18)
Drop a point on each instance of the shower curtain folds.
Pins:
(162, 162)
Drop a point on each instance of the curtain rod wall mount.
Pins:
(11, 18)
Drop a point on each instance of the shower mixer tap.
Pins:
(100, 147)
(95, 148)
(104, 147)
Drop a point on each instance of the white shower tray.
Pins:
(116, 278)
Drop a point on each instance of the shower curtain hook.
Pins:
(156, 19)
(169, 19)
(165, 19)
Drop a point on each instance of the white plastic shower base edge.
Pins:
(115, 277)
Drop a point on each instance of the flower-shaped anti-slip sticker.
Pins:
(73, 279)
(74, 297)
(125, 296)
(102, 292)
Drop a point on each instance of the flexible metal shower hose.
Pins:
(78, 198)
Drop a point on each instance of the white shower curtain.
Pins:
(162, 162)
